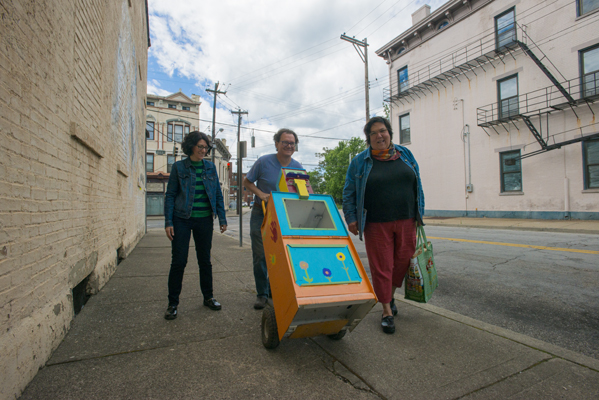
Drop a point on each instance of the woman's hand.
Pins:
(170, 232)
(223, 228)
(353, 227)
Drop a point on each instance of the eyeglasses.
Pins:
(205, 148)
(288, 144)
(382, 132)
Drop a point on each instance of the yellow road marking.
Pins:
(529, 246)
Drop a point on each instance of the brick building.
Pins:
(72, 170)
(168, 120)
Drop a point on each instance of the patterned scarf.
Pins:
(389, 154)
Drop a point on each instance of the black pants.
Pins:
(202, 236)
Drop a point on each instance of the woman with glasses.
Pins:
(193, 199)
(383, 199)
(265, 173)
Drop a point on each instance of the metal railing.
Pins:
(539, 101)
(474, 55)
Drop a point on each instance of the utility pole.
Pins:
(240, 149)
(216, 93)
(364, 56)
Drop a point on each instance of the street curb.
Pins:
(536, 344)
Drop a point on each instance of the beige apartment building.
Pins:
(497, 99)
(72, 165)
(168, 120)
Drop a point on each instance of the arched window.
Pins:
(442, 25)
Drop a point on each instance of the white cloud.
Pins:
(282, 61)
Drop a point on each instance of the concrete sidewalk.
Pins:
(120, 347)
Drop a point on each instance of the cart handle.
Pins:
(263, 207)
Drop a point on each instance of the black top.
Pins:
(390, 192)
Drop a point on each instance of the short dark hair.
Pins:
(373, 121)
(280, 132)
(192, 139)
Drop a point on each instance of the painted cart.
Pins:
(317, 281)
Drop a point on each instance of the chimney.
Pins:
(421, 14)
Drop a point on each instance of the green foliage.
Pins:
(317, 181)
(335, 163)
(387, 110)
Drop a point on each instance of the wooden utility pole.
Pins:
(364, 56)
(216, 93)
(240, 149)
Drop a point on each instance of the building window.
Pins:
(511, 171)
(401, 50)
(586, 6)
(149, 162)
(170, 160)
(402, 77)
(589, 66)
(590, 158)
(185, 108)
(150, 129)
(186, 128)
(505, 28)
(442, 25)
(404, 129)
(172, 106)
(507, 94)
(149, 103)
(169, 133)
(178, 133)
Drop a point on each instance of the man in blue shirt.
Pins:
(261, 180)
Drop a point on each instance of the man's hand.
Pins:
(170, 232)
(353, 227)
(264, 197)
(223, 228)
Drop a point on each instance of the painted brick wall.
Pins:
(72, 180)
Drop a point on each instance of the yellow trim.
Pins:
(529, 246)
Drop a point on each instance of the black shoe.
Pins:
(388, 324)
(260, 303)
(212, 304)
(171, 313)
(393, 307)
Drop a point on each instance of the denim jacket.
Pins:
(355, 186)
(181, 187)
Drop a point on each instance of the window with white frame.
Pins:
(404, 129)
(586, 6)
(511, 171)
(402, 79)
(186, 108)
(172, 106)
(589, 68)
(169, 133)
(505, 28)
(590, 157)
(176, 129)
(507, 96)
(149, 162)
(150, 129)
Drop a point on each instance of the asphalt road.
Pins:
(548, 294)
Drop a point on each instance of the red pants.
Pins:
(389, 246)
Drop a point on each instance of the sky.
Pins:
(281, 61)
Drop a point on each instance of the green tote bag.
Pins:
(421, 278)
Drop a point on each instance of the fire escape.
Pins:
(485, 54)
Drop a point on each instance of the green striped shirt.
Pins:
(201, 203)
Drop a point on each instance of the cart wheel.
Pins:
(270, 334)
(338, 336)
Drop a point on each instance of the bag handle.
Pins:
(421, 237)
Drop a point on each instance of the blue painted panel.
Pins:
(316, 216)
(322, 265)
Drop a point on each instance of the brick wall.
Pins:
(72, 180)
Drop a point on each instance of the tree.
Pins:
(317, 181)
(387, 110)
(335, 164)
